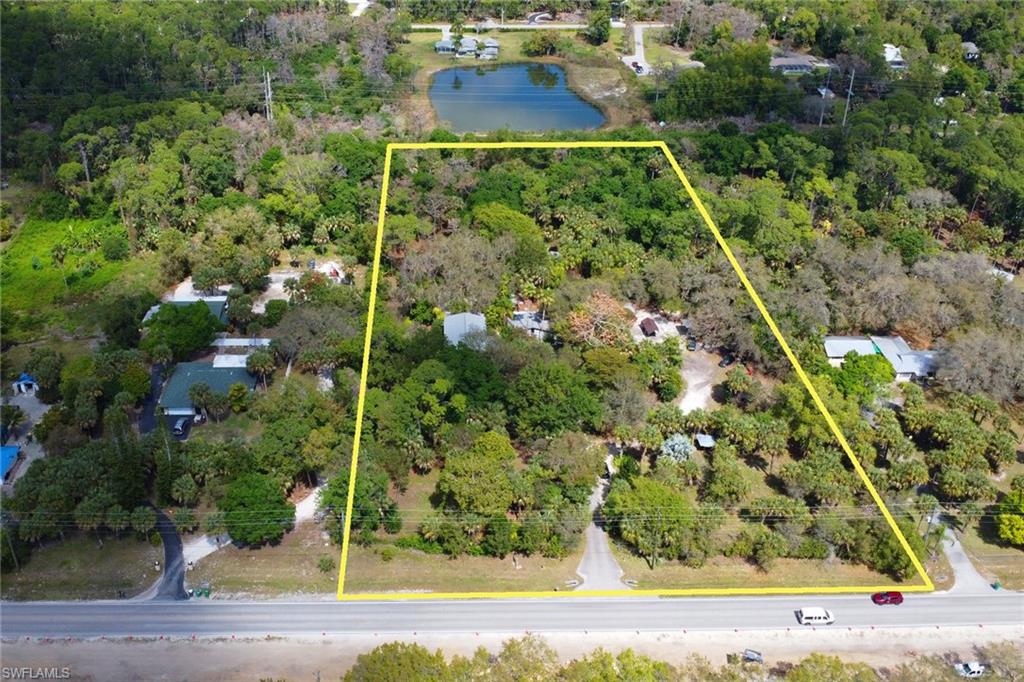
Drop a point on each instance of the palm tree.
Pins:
(200, 394)
(261, 363)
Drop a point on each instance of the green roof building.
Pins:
(218, 306)
(174, 401)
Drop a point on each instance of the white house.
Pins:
(894, 57)
(906, 362)
(460, 325)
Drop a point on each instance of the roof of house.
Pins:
(491, 51)
(893, 54)
(903, 358)
(458, 325)
(839, 346)
(219, 379)
(468, 43)
(218, 306)
(527, 319)
(796, 61)
(969, 47)
(444, 44)
(8, 456)
(490, 42)
(225, 342)
(648, 326)
(223, 360)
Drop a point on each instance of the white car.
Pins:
(972, 669)
(813, 615)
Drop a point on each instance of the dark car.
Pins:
(883, 598)
(726, 361)
(691, 343)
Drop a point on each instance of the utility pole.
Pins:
(268, 97)
(849, 94)
(823, 96)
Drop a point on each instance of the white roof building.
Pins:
(894, 57)
(460, 325)
(836, 347)
(906, 362)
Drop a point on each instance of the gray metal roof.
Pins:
(839, 346)
(457, 326)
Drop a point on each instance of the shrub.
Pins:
(325, 564)
(273, 313)
(115, 247)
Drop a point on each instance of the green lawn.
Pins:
(80, 569)
(726, 572)
(39, 294)
(660, 53)
(993, 560)
(407, 570)
(290, 567)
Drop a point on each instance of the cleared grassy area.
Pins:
(413, 571)
(290, 567)
(414, 503)
(994, 561)
(240, 426)
(726, 572)
(79, 568)
(36, 295)
(660, 53)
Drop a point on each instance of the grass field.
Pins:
(659, 53)
(408, 570)
(994, 561)
(80, 569)
(290, 567)
(726, 572)
(36, 295)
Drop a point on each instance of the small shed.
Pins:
(460, 325)
(26, 383)
(705, 441)
(970, 51)
(649, 327)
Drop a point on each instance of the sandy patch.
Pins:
(302, 658)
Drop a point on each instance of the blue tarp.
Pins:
(8, 455)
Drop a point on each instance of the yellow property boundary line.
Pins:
(928, 586)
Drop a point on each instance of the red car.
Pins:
(883, 598)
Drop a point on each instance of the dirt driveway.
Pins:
(701, 373)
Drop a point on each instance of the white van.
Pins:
(812, 615)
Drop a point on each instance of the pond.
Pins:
(532, 97)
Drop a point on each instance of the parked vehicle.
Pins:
(691, 343)
(726, 361)
(752, 656)
(179, 426)
(883, 598)
(814, 615)
(972, 670)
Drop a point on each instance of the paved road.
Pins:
(598, 567)
(226, 618)
(147, 415)
(171, 585)
(968, 579)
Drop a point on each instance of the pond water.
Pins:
(516, 96)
